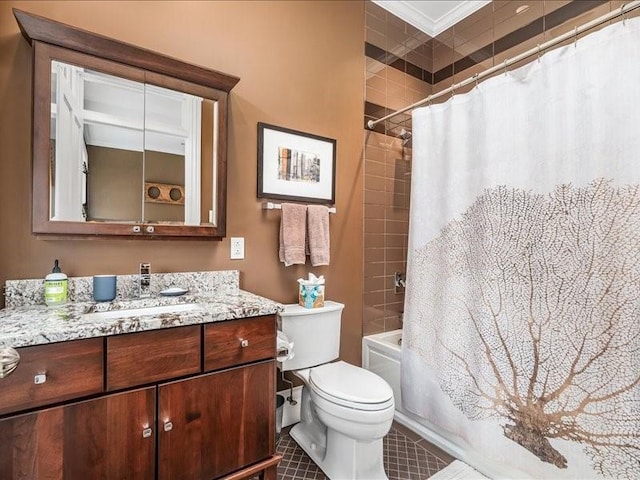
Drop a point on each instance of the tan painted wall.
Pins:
(301, 66)
(114, 170)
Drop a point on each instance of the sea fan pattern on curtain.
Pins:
(521, 337)
(544, 290)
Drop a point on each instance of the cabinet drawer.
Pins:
(146, 357)
(239, 341)
(64, 371)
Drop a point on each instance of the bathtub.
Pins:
(381, 355)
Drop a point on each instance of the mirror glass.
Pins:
(128, 152)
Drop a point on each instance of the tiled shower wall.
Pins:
(403, 66)
(398, 55)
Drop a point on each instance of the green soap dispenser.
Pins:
(55, 286)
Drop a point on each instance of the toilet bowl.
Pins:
(345, 413)
(345, 410)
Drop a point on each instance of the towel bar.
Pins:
(278, 206)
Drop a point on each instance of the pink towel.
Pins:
(293, 227)
(318, 228)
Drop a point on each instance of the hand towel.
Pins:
(318, 230)
(293, 227)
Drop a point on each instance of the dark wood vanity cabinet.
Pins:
(185, 425)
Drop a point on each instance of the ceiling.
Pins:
(433, 16)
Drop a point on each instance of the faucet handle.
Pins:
(145, 279)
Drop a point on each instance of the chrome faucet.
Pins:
(145, 280)
(400, 282)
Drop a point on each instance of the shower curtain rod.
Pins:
(624, 9)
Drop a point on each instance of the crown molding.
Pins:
(405, 10)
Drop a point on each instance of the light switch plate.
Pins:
(237, 248)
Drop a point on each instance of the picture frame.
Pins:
(296, 166)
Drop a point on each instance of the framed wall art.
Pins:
(295, 166)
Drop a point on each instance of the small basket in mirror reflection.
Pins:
(163, 193)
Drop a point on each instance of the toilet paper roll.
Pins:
(284, 348)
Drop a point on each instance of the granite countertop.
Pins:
(39, 324)
(36, 324)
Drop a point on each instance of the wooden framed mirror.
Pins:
(126, 141)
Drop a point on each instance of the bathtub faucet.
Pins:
(400, 282)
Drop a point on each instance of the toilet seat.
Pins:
(352, 387)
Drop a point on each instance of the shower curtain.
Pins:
(521, 341)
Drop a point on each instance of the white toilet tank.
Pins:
(315, 333)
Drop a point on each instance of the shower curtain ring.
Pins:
(539, 55)
(622, 12)
(506, 60)
(475, 77)
(575, 37)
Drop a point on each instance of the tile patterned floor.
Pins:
(406, 457)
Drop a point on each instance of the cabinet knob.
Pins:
(40, 378)
(136, 229)
(146, 433)
(150, 229)
(9, 360)
(168, 426)
(244, 342)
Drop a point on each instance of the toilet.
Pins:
(345, 410)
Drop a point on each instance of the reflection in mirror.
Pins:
(208, 171)
(114, 138)
(172, 135)
(122, 151)
(97, 138)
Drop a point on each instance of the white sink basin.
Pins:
(138, 312)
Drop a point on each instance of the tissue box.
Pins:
(311, 296)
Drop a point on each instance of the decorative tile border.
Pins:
(522, 34)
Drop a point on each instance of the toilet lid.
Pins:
(352, 386)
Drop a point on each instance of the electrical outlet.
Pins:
(237, 248)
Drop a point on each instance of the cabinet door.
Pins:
(216, 423)
(99, 439)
